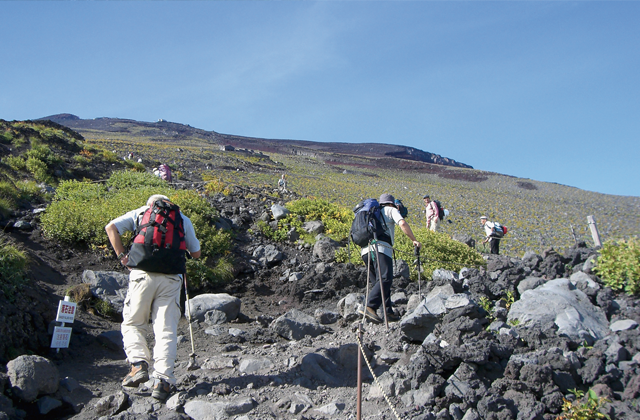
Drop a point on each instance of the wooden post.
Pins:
(594, 231)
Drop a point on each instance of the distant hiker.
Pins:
(431, 212)
(282, 184)
(155, 281)
(391, 217)
(492, 237)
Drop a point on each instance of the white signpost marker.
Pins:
(62, 334)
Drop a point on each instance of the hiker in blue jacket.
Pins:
(391, 217)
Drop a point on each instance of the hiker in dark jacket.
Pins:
(154, 296)
(391, 217)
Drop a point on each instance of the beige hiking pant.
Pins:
(154, 296)
(434, 225)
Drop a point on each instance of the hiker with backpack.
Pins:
(389, 217)
(282, 184)
(432, 212)
(157, 261)
(494, 232)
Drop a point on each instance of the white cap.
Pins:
(483, 217)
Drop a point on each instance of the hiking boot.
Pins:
(139, 374)
(392, 317)
(371, 315)
(161, 390)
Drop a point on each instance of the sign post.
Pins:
(62, 334)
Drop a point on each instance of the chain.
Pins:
(393, 409)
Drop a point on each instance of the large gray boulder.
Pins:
(349, 305)
(31, 376)
(268, 255)
(560, 302)
(110, 286)
(325, 249)
(219, 410)
(279, 212)
(420, 323)
(223, 302)
(314, 227)
(295, 325)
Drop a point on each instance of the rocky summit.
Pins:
(282, 340)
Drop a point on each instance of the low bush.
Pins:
(583, 408)
(13, 267)
(130, 179)
(81, 210)
(15, 162)
(437, 251)
(618, 265)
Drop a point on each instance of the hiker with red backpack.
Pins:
(390, 217)
(432, 213)
(157, 262)
(494, 232)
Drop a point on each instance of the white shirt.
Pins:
(391, 217)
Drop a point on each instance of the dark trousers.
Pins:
(374, 301)
(495, 246)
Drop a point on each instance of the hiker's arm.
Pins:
(195, 254)
(406, 229)
(116, 241)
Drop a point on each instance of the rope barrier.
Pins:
(393, 409)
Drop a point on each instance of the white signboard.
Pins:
(61, 337)
(66, 311)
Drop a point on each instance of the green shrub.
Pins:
(28, 190)
(6, 206)
(587, 410)
(278, 235)
(109, 156)
(38, 169)
(80, 191)
(212, 241)
(15, 162)
(135, 166)
(81, 160)
(618, 265)
(13, 267)
(336, 219)
(130, 179)
(437, 251)
(6, 137)
(200, 276)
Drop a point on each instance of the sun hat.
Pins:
(483, 217)
(387, 199)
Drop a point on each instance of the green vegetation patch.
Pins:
(618, 265)
(80, 211)
(13, 267)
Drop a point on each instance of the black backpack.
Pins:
(368, 223)
(440, 210)
(158, 244)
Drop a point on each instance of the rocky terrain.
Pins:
(505, 341)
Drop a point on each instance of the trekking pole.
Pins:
(192, 357)
(416, 252)
(384, 306)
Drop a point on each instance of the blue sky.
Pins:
(542, 90)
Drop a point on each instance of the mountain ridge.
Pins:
(163, 130)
